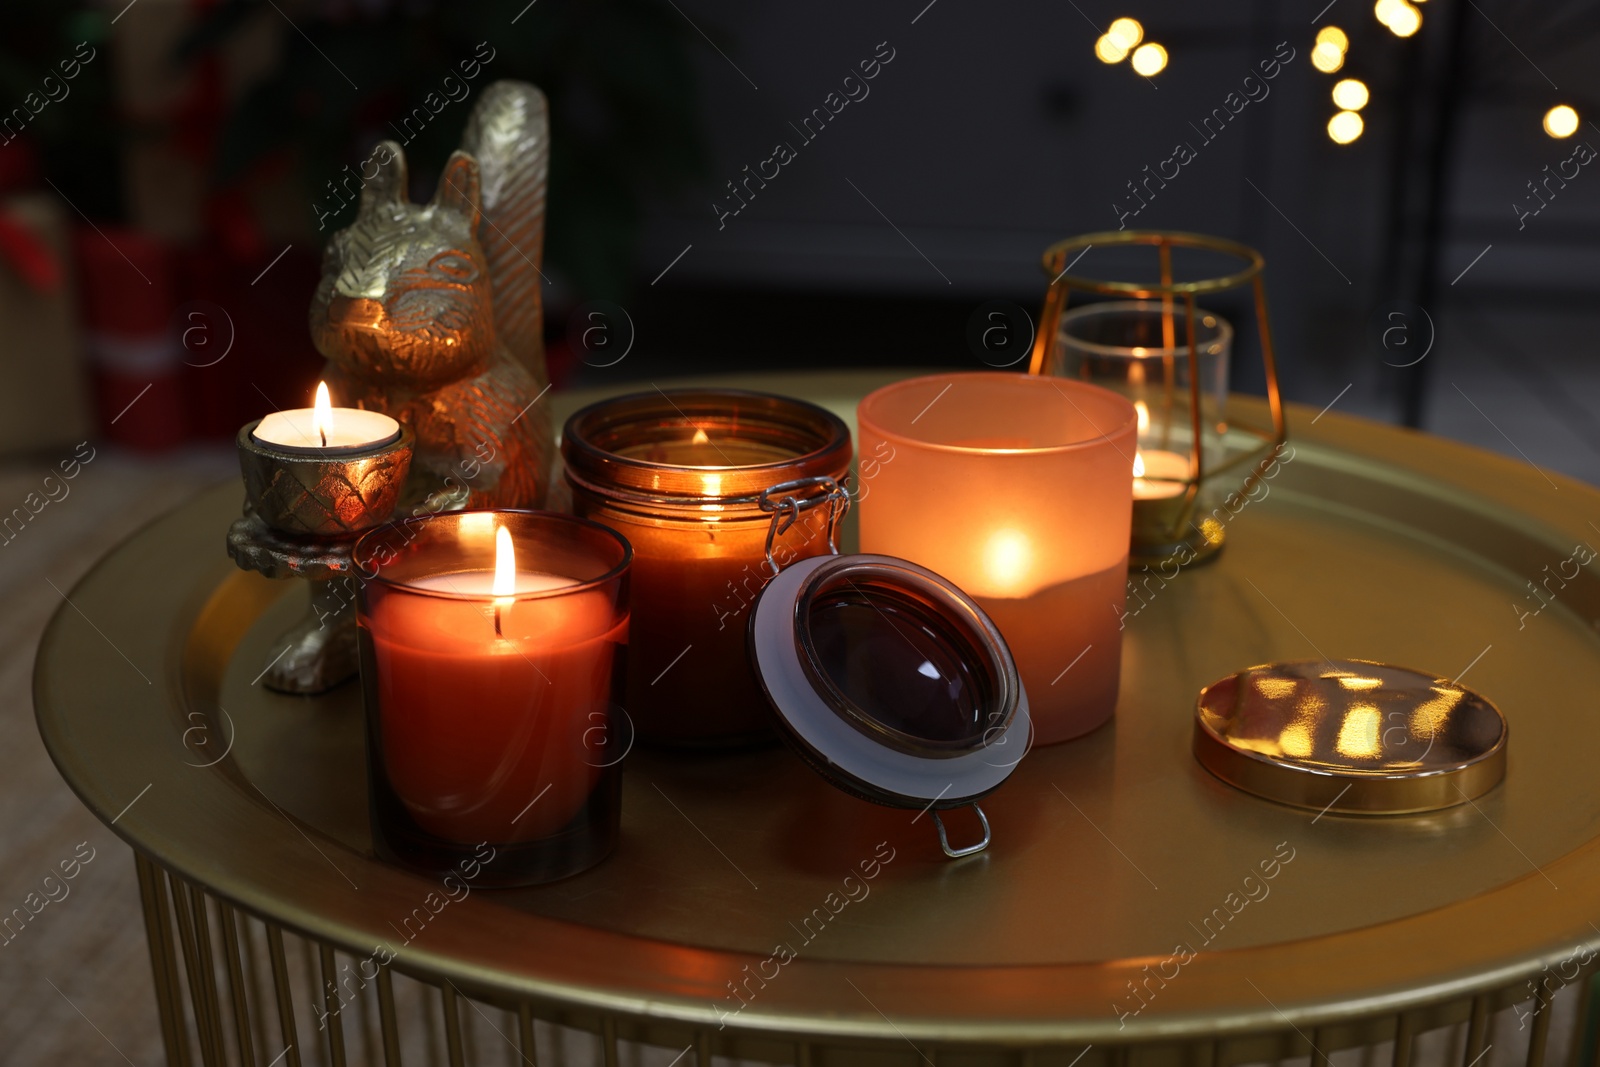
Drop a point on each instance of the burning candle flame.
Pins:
(1008, 558)
(1138, 464)
(700, 437)
(505, 564)
(322, 414)
(1144, 415)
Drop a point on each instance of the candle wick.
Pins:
(497, 632)
(324, 434)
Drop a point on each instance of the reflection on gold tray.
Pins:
(1107, 851)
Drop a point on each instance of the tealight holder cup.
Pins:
(304, 509)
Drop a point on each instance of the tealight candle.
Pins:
(1151, 469)
(1140, 349)
(490, 688)
(1017, 489)
(323, 428)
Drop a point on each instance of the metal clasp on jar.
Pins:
(788, 507)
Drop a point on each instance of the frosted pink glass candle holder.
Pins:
(1018, 489)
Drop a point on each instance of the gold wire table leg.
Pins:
(387, 1023)
(702, 1048)
(204, 1021)
(525, 1035)
(252, 977)
(241, 1006)
(331, 1005)
(1477, 1028)
(608, 1039)
(1585, 1016)
(369, 1038)
(280, 987)
(802, 1054)
(1541, 1028)
(1584, 980)
(452, 1025)
(1319, 1058)
(208, 969)
(1404, 1034)
(169, 989)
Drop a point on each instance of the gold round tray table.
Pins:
(1131, 906)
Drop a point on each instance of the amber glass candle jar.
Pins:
(680, 474)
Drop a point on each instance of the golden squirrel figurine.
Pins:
(431, 313)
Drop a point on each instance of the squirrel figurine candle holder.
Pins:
(430, 313)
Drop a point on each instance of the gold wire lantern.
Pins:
(1147, 347)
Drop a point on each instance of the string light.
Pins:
(1335, 36)
(1109, 49)
(1149, 59)
(1407, 22)
(1351, 94)
(1120, 39)
(1128, 32)
(1345, 127)
(1326, 57)
(1561, 121)
(1402, 17)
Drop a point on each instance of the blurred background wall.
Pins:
(166, 203)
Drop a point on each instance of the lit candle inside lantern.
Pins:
(1015, 488)
(492, 688)
(1151, 467)
(325, 429)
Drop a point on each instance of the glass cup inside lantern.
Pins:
(1141, 349)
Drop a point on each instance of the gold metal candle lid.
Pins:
(1350, 737)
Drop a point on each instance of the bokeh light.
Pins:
(1561, 121)
(1402, 18)
(1335, 36)
(1149, 59)
(1127, 32)
(1326, 58)
(1345, 127)
(1351, 94)
(1110, 50)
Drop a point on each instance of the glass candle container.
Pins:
(1141, 350)
(680, 474)
(492, 654)
(1018, 490)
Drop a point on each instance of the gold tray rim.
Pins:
(1316, 981)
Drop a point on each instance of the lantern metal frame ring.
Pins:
(1057, 259)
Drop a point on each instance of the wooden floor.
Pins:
(75, 982)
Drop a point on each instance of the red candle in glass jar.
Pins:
(490, 687)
